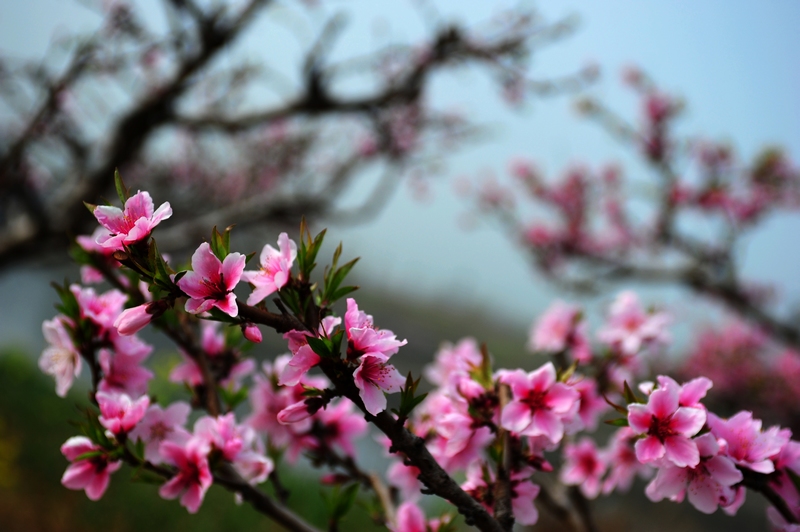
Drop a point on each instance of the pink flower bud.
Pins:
(294, 413)
(132, 320)
(252, 333)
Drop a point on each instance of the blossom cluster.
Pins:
(507, 432)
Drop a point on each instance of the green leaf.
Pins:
(220, 244)
(618, 408)
(218, 315)
(122, 190)
(339, 294)
(620, 422)
(320, 346)
(628, 394)
(233, 398)
(88, 455)
(344, 501)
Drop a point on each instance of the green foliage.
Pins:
(122, 191)
(408, 399)
(339, 503)
(333, 277)
(309, 248)
(221, 242)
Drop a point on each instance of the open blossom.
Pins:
(340, 426)
(668, 428)
(747, 444)
(251, 462)
(592, 405)
(159, 425)
(123, 373)
(119, 413)
(59, 359)
(134, 223)
(559, 329)
(709, 483)
(622, 462)
(102, 309)
(540, 405)
(583, 467)
(212, 281)
(276, 268)
(90, 474)
(630, 327)
(373, 377)
(410, 518)
(363, 337)
(193, 477)
(303, 357)
(523, 491)
(221, 433)
(453, 359)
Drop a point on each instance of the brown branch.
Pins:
(760, 483)
(503, 511)
(436, 479)
(581, 505)
(281, 323)
(226, 476)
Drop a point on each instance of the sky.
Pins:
(735, 62)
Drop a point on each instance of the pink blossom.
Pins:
(522, 489)
(450, 359)
(159, 425)
(304, 358)
(747, 445)
(221, 433)
(250, 462)
(592, 405)
(119, 413)
(690, 392)
(583, 467)
(276, 269)
(621, 459)
(89, 474)
(373, 377)
(559, 329)
(540, 405)
(667, 427)
(132, 224)
(340, 425)
(123, 373)
(709, 483)
(406, 479)
(193, 477)
(363, 337)
(102, 309)
(60, 358)
(267, 400)
(212, 281)
(410, 518)
(629, 327)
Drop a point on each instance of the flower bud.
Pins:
(132, 320)
(252, 333)
(294, 413)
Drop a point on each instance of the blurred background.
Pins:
(383, 122)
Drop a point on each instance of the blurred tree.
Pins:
(159, 105)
